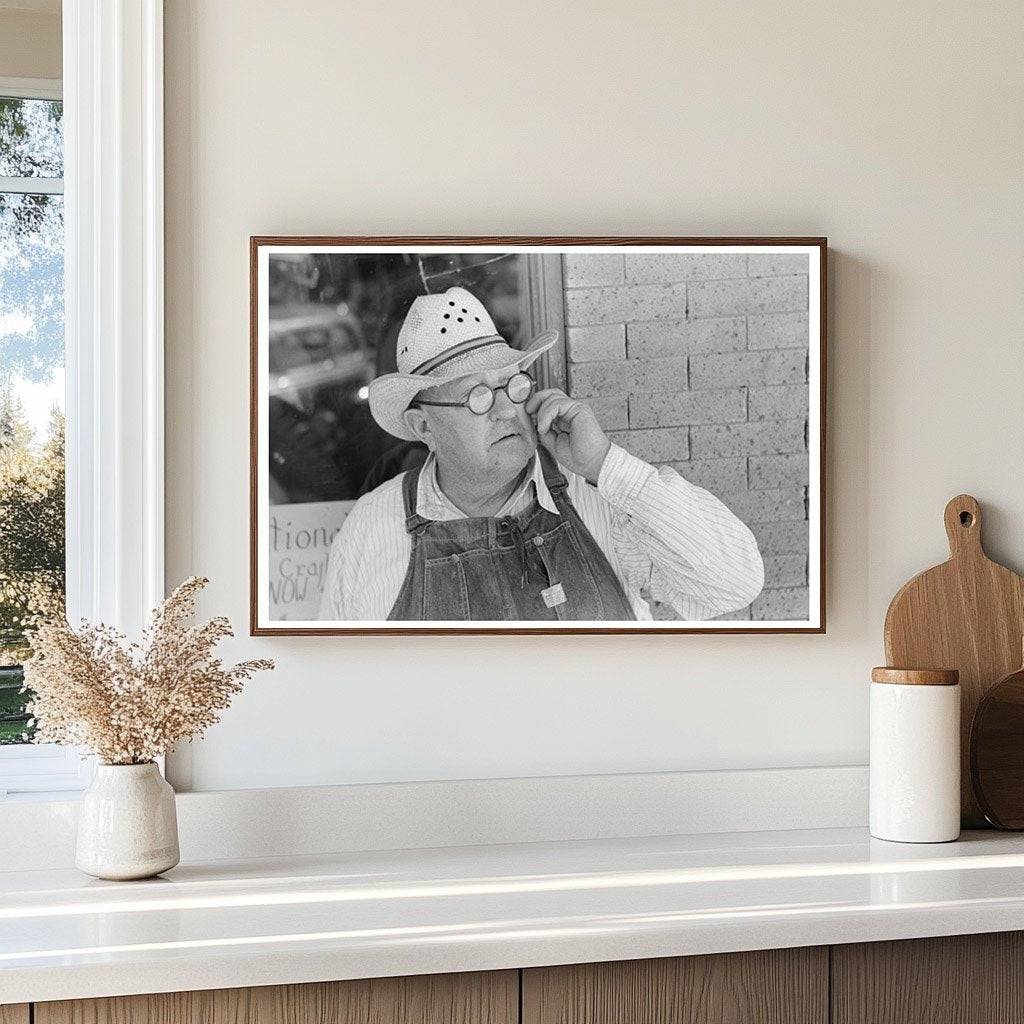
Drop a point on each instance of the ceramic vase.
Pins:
(127, 825)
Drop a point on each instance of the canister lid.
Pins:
(916, 676)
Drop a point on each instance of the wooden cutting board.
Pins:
(967, 614)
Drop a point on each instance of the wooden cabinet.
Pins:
(482, 998)
(962, 979)
(969, 979)
(775, 986)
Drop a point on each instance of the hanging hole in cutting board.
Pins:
(966, 519)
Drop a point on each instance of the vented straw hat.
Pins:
(444, 337)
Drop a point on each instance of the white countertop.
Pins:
(261, 922)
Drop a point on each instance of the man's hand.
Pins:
(570, 431)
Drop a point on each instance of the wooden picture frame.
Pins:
(756, 280)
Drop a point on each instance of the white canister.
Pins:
(915, 755)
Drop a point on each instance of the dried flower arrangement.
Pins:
(130, 703)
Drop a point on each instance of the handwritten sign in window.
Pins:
(300, 544)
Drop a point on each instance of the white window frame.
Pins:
(114, 329)
(32, 88)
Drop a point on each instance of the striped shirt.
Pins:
(665, 538)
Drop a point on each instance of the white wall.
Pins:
(895, 129)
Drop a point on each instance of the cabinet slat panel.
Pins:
(777, 986)
(478, 998)
(14, 1013)
(960, 979)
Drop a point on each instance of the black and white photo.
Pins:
(502, 435)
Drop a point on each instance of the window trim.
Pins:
(32, 88)
(544, 310)
(112, 90)
(113, 170)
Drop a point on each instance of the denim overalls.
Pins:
(531, 566)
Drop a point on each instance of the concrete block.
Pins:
(779, 605)
(778, 264)
(779, 402)
(714, 475)
(781, 538)
(721, 440)
(787, 366)
(750, 295)
(612, 413)
(785, 571)
(645, 268)
(672, 337)
(580, 269)
(602, 341)
(670, 444)
(661, 374)
(662, 612)
(767, 506)
(609, 377)
(770, 471)
(777, 330)
(741, 615)
(621, 305)
(711, 405)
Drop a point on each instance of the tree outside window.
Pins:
(32, 557)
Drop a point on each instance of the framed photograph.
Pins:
(537, 435)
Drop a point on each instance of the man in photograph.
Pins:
(524, 510)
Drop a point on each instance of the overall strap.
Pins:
(614, 601)
(410, 486)
(553, 476)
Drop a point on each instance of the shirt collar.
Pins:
(432, 503)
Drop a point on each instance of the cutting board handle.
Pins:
(963, 526)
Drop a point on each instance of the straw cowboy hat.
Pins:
(444, 337)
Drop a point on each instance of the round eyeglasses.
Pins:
(480, 400)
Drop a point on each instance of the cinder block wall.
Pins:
(700, 362)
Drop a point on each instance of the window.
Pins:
(31, 383)
(32, 531)
(110, 203)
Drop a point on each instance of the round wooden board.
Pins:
(997, 752)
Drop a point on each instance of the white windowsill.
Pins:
(32, 772)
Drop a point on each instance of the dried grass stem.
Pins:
(129, 703)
